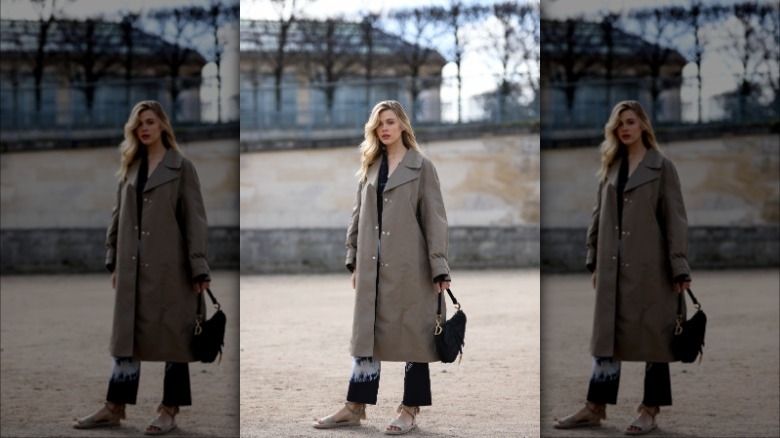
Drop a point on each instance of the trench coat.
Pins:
(396, 320)
(635, 267)
(155, 302)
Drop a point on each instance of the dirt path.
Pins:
(55, 363)
(295, 359)
(735, 391)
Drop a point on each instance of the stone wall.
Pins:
(295, 204)
(731, 188)
(55, 205)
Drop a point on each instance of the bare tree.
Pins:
(608, 26)
(47, 11)
(129, 30)
(513, 39)
(658, 27)
(696, 17)
(179, 26)
(369, 33)
(91, 52)
(331, 53)
(455, 19)
(217, 15)
(418, 26)
(746, 46)
(567, 56)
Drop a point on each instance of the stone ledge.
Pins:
(280, 251)
(563, 249)
(71, 251)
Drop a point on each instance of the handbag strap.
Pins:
(213, 301)
(679, 319)
(437, 331)
(452, 297)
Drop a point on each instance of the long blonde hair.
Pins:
(612, 144)
(371, 147)
(128, 149)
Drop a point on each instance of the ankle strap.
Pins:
(413, 411)
(172, 411)
(651, 411)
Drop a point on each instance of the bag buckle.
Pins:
(678, 325)
(198, 328)
(437, 331)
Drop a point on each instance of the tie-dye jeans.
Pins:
(605, 380)
(364, 382)
(126, 373)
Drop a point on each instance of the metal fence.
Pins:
(65, 110)
(676, 104)
(304, 110)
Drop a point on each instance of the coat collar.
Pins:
(408, 169)
(648, 170)
(167, 170)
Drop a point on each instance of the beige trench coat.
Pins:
(155, 303)
(635, 298)
(396, 322)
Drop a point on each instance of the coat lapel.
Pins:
(372, 174)
(167, 170)
(132, 172)
(648, 170)
(408, 170)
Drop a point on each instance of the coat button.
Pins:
(135, 227)
(132, 258)
(376, 227)
(614, 258)
(373, 258)
(625, 199)
(616, 227)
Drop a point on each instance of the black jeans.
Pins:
(605, 380)
(126, 373)
(364, 382)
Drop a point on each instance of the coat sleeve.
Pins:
(433, 219)
(193, 217)
(352, 230)
(113, 230)
(591, 242)
(674, 219)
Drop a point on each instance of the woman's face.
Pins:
(149, 128)
(629, 128)
(389, 129)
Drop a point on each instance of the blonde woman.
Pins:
(397, 253)
(156, 253)
(637, 251)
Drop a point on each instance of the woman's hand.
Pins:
(441, 286)
(593, 279)
(353, 280)
(201, 286)
(681, 286)
(113, 280)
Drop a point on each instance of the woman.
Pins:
(637, 251)
(156, 252)
(397, 253)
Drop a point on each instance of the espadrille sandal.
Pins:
(592, 418)
(357, 413)
(401, 424)
(116, 413)
(640, 426)
(160, 426)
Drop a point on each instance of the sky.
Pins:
(718, 68)
(475, 66)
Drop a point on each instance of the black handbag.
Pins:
(688, 341)
(449, 337)
(209, 333)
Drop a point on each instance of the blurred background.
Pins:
(707, 74)
(465, 71)
(72, 70)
